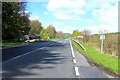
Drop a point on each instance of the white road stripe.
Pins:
(74, 61)
(72, 50)
(19, 56)
(24, 54)
(77, 71)
(52, 44)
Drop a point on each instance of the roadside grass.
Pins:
(23, 43)
(104, 60)
(19, 43)
(56, 39)
(11, 44)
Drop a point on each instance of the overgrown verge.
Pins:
(105, 60)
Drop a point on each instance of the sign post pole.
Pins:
(102, 37)
(102, 46)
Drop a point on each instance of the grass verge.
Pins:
(12, 44)
(104, 60)
(56, 39)
(23, 43)
(19, 43)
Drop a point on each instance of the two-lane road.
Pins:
(53, 59)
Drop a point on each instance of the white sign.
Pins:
(80, 36)
(102, 37)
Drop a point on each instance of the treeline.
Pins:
(16, 25)
(15, 22)
(111, 42)
(51, 33)
(83, 36)
(45, 33)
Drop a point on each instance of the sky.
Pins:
(69, 15)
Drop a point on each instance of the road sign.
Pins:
(37, 35)
(102, 37)
(80, 36)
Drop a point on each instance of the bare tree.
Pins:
(86, 34)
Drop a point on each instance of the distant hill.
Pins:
(115, 33)
(67, 33)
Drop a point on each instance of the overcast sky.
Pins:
(68, 15)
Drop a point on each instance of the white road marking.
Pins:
(72, 50)
(19, 56)
(74, 61)
(25, 54)
(52, 44)
(77, 71)
(60, 41)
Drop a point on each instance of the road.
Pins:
(53, 59)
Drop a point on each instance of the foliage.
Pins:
(35, 27)
(59, 35)
(14, 22)
(86, 35)
(24, 28)
(75, 33)
(110, 43)
(51, 30)
(67, 35)
(44, 34)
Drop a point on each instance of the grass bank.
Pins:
(12, 44)
(56, 39)
(104, 60)
(19, 43)
(23, 43)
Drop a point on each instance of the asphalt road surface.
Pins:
(53, 59)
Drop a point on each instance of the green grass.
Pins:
(23, 43)
(19, 43)
(104, 60)
(56, 39)
(11, 44)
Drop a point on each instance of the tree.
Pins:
(59, 34)
(35, 27)
(86, 34)
(14, 22)
(25, 28)
(51, 30)
(44, 34)
(75, 33)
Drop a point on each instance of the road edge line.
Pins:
(74, 61)
(73, 54)
(77, 71)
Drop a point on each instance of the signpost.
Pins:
(80, 36)
(102, 37)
